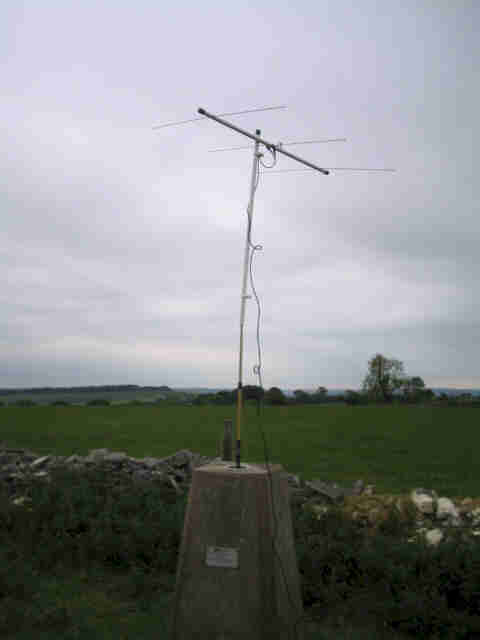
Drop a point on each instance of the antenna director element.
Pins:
(270, 145)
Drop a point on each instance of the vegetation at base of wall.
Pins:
(422, 591)
(120, 543)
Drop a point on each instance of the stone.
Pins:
(39, 462)
(423, 500)
(434, 536)
(331, 492)
(475, 513)
(358, 487)
(446, 509)
(433, 514)
(96, 454)
(115, 456)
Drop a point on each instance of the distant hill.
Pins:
(109, 388)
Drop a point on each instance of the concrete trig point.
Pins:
(229, 580)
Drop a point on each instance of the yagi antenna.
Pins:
(232, 113)
(274, 148)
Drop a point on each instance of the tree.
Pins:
(385, 375)
(252, 392)
(354, 397)
(413, 389)
(98, 402)
(275, 396)
(301, 397)
(320, 394)
(225, 397)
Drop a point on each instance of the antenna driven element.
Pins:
(283, 144)
(270, 145)
(231, 113)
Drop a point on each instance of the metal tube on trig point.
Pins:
(244, 298)
(269, 145)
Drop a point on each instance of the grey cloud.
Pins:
(121, 247)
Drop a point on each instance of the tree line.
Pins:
(253, 394)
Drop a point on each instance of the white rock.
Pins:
(95, 454)
(39, 461)
(433, 536)
(475, 515)
(446, 509)
(320, 510)
(115, 456)
(422, 501)
(73, 459)
(20, 501)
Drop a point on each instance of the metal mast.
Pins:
(253, 180)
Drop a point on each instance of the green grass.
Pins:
(395, 448)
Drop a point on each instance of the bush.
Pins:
(95, 520)
(85, 519)
(98, 402)
(424, 591)
(24, 402)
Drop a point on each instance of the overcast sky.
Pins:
(121, 247)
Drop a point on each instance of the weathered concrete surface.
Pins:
(230, 521)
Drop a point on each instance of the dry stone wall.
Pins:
(435, 517)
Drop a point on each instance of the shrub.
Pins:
(98, 402)
(94, 519)
(24, 402)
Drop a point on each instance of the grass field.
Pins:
(56, 586)
(395, 448)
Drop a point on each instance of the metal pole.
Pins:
(253, 181)
(227, 440)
